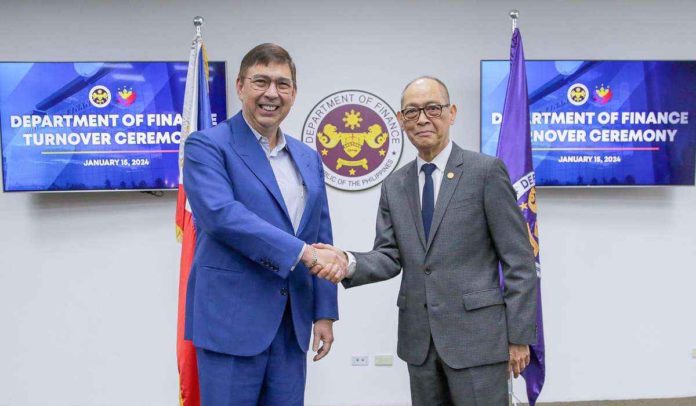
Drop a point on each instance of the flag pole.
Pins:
(514, 149)
(195, 106)
(198, 22)
(514, 15)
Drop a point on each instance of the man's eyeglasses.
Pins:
(430, 110)
(262, 83)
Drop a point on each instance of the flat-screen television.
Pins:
(601, 123)
(88, 126)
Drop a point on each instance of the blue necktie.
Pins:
(428, 204)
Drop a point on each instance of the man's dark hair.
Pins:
(441, 83)
(266, 54)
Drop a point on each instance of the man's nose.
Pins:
(422, 118)
(272, 91)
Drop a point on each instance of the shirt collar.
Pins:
(280, 145)
(440, 160)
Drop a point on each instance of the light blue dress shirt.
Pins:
(287, 176)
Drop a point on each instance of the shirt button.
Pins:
(284, 291)
(428, 271)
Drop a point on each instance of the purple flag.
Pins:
(515, 149)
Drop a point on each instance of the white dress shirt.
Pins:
(440, 162)
(287, 176)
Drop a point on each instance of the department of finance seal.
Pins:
(357, 136)
(578, 94)
(99, 96)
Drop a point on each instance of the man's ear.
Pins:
(238, 85)
(453, 113)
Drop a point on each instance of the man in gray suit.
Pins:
(448, 219)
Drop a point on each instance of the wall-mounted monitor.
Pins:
(88, 126)
(601, 123)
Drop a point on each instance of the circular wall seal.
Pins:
(99, 96)
(357, 136)
(578, 94)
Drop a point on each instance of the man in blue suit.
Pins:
(259, 202)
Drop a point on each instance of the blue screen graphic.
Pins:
(95, 126)
(601, 123)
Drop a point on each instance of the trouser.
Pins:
(276, 377)
(434, 383)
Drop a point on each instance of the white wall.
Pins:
(88, 282)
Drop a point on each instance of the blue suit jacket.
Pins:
(240, 279)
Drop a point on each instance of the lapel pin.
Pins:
(450, 175)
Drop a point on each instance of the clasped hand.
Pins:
(332, 263)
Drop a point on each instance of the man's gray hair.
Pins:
(441, 83)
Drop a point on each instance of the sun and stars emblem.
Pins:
(578, 94)
(99, 96)
(352, 120)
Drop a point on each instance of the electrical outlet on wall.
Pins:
(359, 360)
(384, 360)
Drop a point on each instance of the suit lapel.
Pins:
(251, 152)
(447, 186)
(302, 162)
(413, 197)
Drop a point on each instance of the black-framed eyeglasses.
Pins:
(431, 110)
(262, 83)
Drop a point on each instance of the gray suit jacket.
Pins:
(450, 287)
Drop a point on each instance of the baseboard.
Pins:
(637, 402)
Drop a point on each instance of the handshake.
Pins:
(326, 261)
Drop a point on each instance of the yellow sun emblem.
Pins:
(352, 119)
(100, 96)
(578, 94)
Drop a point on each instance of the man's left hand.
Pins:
(519, 359)
(323, 331)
